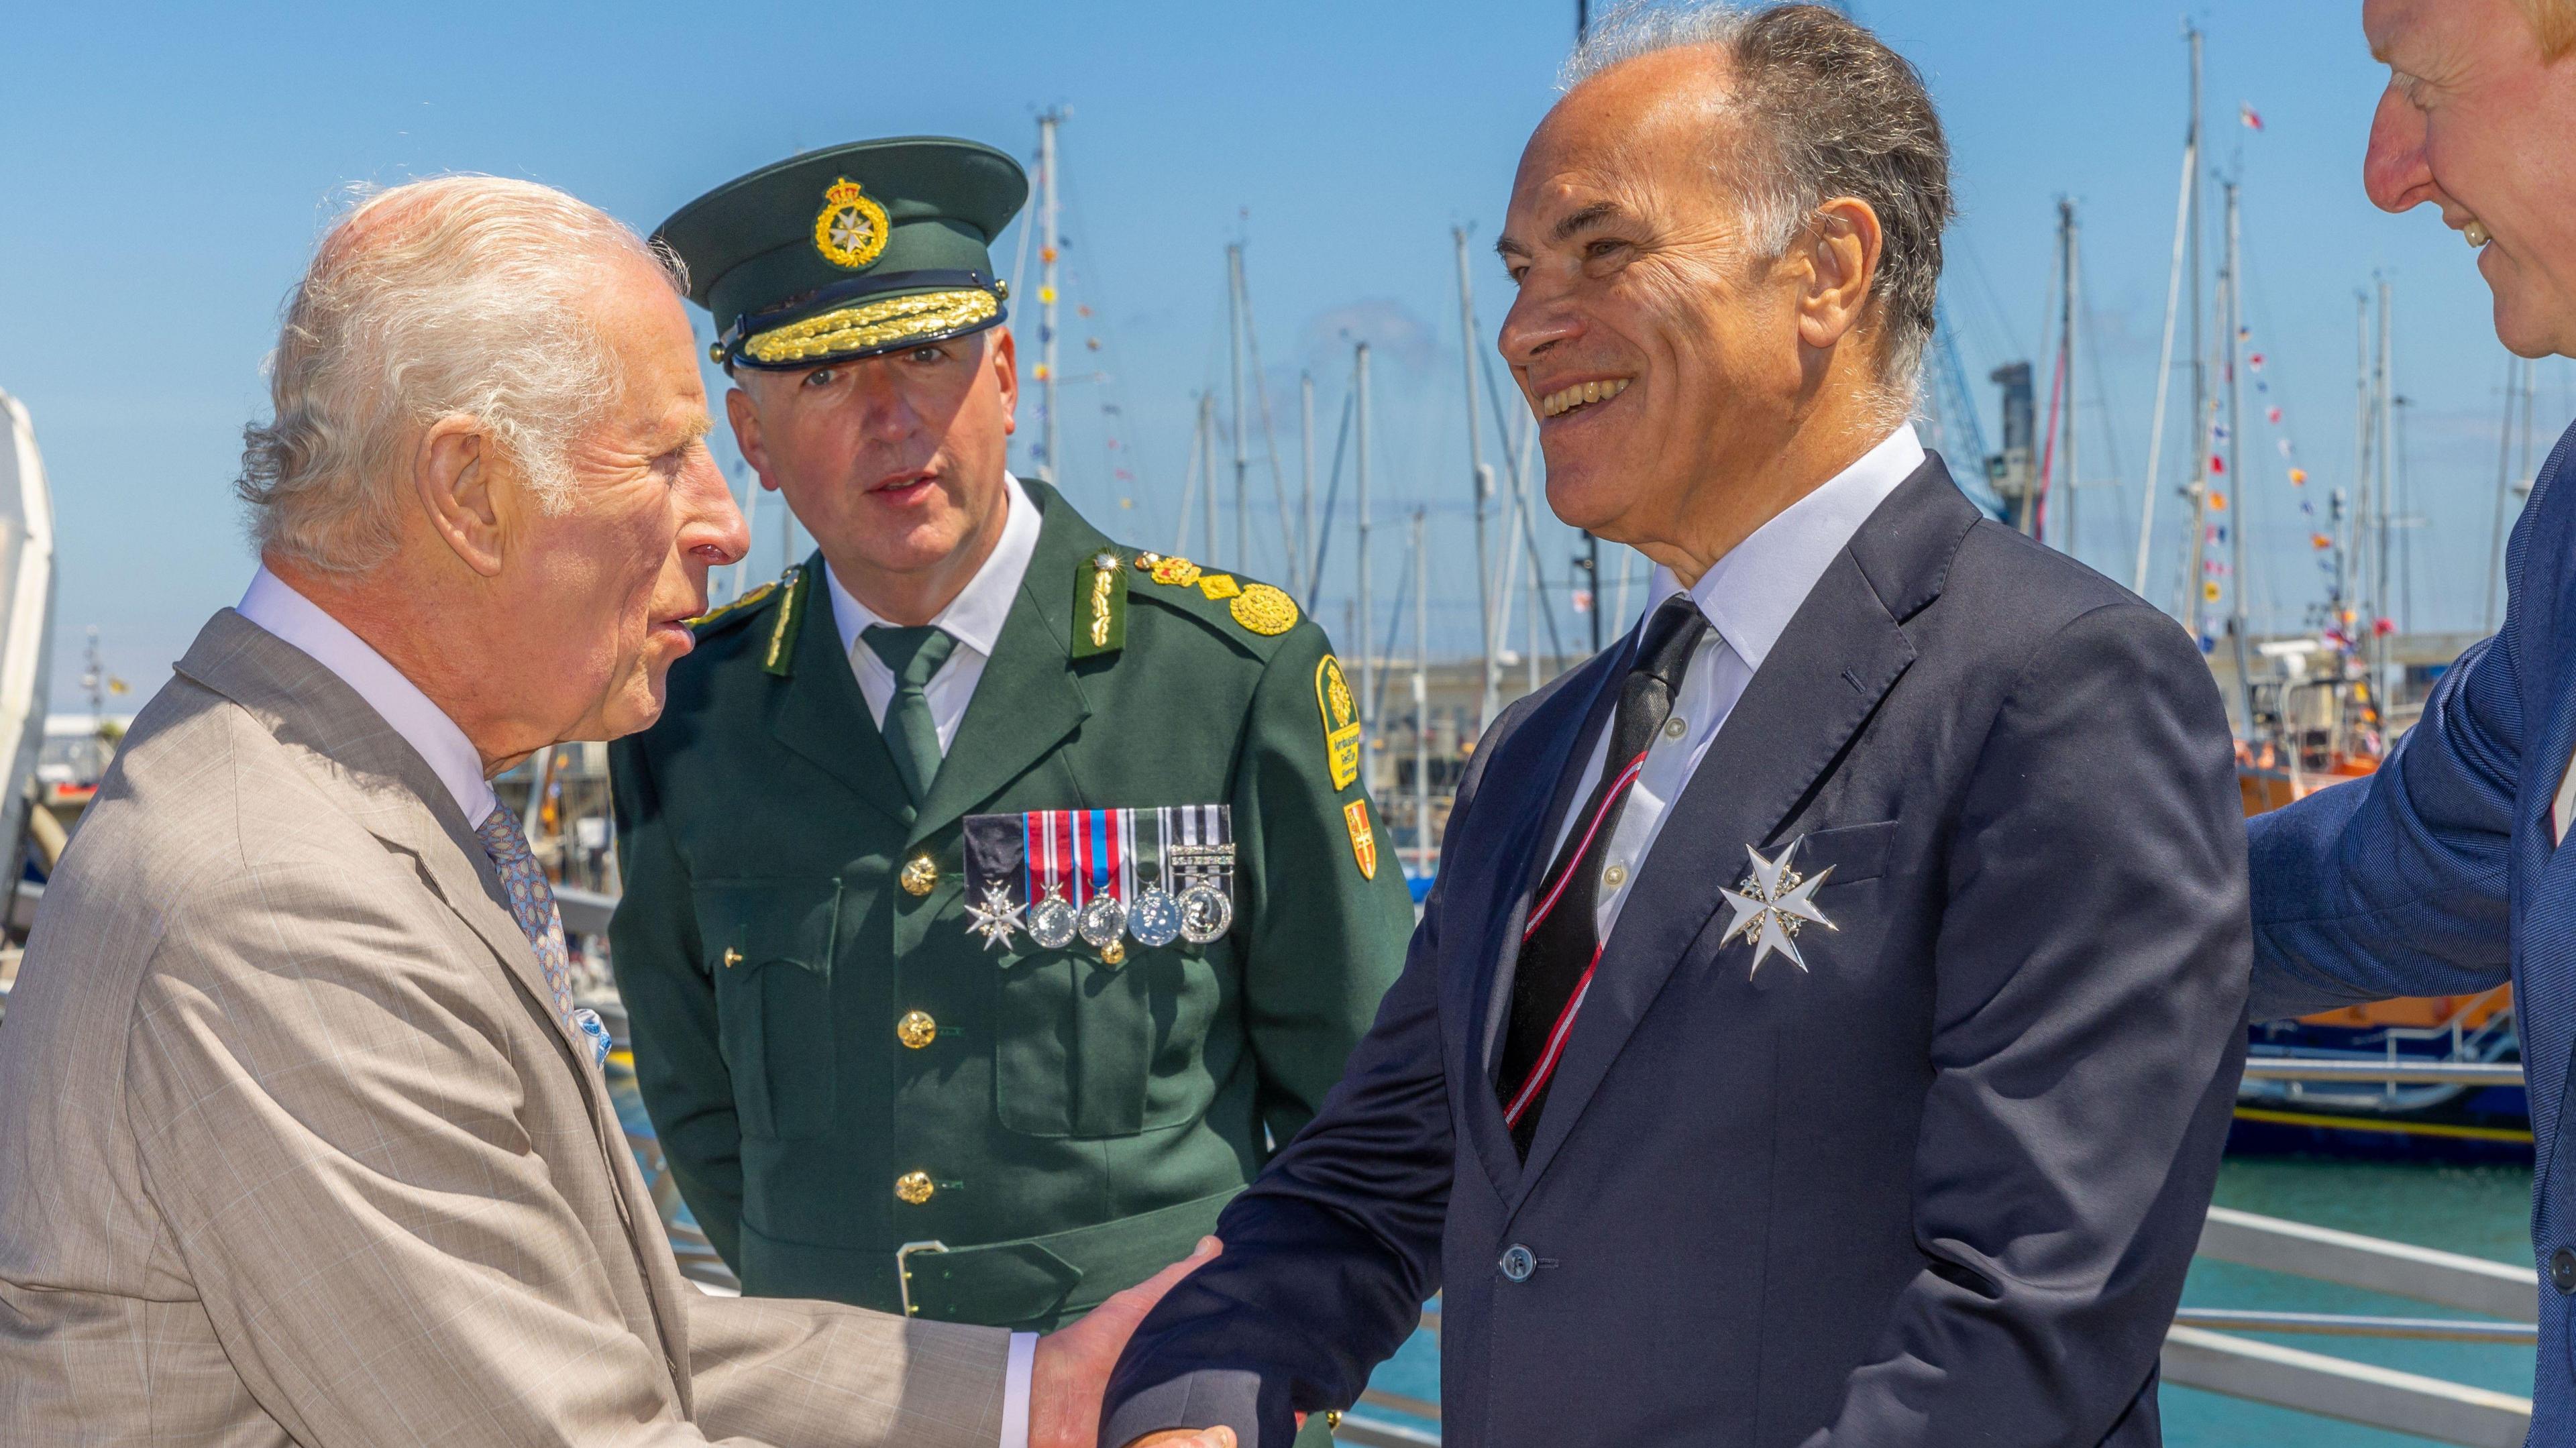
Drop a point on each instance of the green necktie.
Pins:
(911, 735)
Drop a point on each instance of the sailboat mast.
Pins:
(2164, 368)
(1050, 468)
(2199, 364)
(1368, 624)
(2387, 476)
(2237, 620)
(1207, 450)
(1421, 693)
(1479, 478)
(1234, 325)
(2348, 576)
(2073, 280)
(1301, 571)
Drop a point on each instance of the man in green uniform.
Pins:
(996, 895)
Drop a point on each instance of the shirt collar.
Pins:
(1751, 594)
(278, 608)
(976, 615)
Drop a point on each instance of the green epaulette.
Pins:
(778, 655)
(1254, 608)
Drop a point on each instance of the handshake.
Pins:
(1071, 1371)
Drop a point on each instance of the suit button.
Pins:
(2562, 1270)
(1518, 1262)
(916, 1030)
(913, 1188)
(920, 876)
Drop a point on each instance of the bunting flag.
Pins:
(2245, 112)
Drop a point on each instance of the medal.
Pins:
(1155, 918)
(1207, 913)
(1101, 877)
(1054, 923)
(996, 917)
(1102, 921)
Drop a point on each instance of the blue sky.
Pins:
(164, 170)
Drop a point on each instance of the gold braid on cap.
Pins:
(860, 329)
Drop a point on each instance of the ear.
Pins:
(456, 479)
(1840, 252)
(745, 417)
(1005, 362)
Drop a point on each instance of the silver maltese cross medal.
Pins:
(1770, 905)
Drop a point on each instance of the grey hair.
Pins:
(459, 295)
(1825, 110)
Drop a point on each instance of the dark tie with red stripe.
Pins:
(1561, 945)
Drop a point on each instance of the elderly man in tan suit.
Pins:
(301, 1137)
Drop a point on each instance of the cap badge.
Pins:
(850, 230)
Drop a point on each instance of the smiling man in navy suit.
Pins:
(2445, 872)
(1826, 1022)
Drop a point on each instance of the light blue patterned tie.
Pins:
(532, 905)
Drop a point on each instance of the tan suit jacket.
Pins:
(293, 1148)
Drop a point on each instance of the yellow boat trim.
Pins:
(2398, 1128)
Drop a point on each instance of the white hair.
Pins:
(460, 295)
(1824, 110)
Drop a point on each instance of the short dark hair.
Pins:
(1833, 112)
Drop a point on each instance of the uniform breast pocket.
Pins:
(772, 946)
(1089, 1050)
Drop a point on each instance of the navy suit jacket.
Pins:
(2438, 875)
(1939, 1187)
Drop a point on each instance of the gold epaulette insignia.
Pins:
(1170, 572)
(1218, 586)
(781, 658)
(1264, 609)
(1099, 606)
(722, 612)
(1341, 722)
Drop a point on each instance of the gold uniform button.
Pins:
(916, 1029)
(913, 1188)
(1615, 876)
(733, 956)
(920, 876)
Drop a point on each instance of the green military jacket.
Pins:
(837, 1067)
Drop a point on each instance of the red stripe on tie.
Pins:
(1556, 1035)
(1618, 787)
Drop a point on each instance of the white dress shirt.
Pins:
(974, 618)
(1749, 597)
(424, 726)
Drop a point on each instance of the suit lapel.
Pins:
(1029, 698)
(381, 781)
(390, 790)
(821, 715)
(1841, 653)
(1559, 729)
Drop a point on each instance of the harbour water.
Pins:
(2481, 1211)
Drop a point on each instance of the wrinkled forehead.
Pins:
(1648, 130)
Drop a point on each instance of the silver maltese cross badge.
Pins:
(997, 917)
(1770, 905)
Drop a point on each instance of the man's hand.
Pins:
(1071, 1370)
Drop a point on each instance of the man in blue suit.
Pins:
(1826, 1022)
(2442, 873)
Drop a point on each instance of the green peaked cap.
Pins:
(850, 251)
